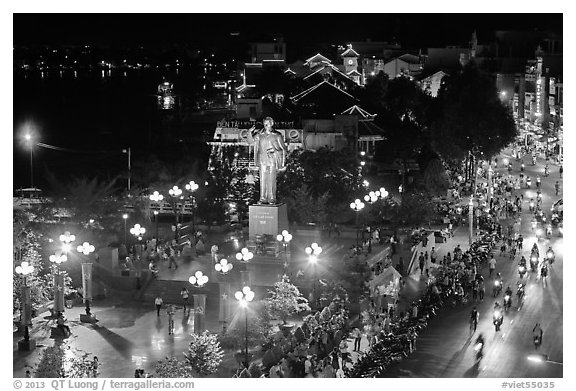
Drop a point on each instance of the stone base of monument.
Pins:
(267, 219)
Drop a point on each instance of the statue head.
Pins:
(268, 123)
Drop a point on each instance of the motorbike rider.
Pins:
(535, 249)
(474, 317)
(498, 284)
(508, 293)
(522, 166)
(479, 348)
(528, 182)
(538, 182)
(550, 254)
(546, 170)
(549, 230)
(531, 205)
(520, 292)
(557, 187)
(537, 333)
(497, 316)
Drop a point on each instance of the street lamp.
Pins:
(244, 297)
(223, 267)
(138, 231)
(244, 255)
(66, 238)
(284, 238)
(125, 217)
(470, 220)
(87, 274)
(29, 140)
(57, 259)
(192, 187)
(26, 305)
(175, 192)
(198, 279)
(357, 206)
(313, 252)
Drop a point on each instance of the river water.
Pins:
(91, 116)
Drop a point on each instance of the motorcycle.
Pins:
(539, 234)
(537, 341)
(533, 160)
(497, 319)
(548, 232)
(507, 302)
(551, 256)
(528, 183)
(531, 207)
(479, 349)
(546, 171)
(521, 271)
(520, 293)
(522, 166)
(497, 287)
(533, 264)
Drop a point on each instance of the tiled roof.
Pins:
(350, 52)
(358, 111)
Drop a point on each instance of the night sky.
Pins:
(410, 30)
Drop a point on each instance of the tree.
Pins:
(472, 118)
(285, 300)
(61, 360)
(171, 367)
(435, 178)
(204, 353)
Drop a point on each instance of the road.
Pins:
(445, 349)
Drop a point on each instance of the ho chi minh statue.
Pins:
(270, 158)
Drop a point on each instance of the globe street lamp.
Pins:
(357, 206)
(125, 218)
(313, 252)
(198, 279)
(284, 238)
(223, 266)
(470, 220)
(87, 275)
(138, 231)
(26, 303)
(57, 259)
(244, 255)
(244, 297)
(175, 192)
(192, 187)
(66, 238)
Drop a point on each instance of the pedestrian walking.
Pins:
(172, 258)
(481, 289)
(492, 265)
(171, 311)
(357, 335)
(185, 295)
(433, 255)
(158, 302)
(421, 261)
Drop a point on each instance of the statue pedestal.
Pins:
(267, 219)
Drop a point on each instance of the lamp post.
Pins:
(125, 218)
(175, 192)
(244, 297)
(284, 238)
(489, 196)
(357, 206)
(192, 187)
(198, 280)
(57, 259)
(223, 266)
(87, 276)
(138, 231)
(26, 306)
(30, 142)
(313, 252)
(470, 220)
(244, 255)
(66, 238)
